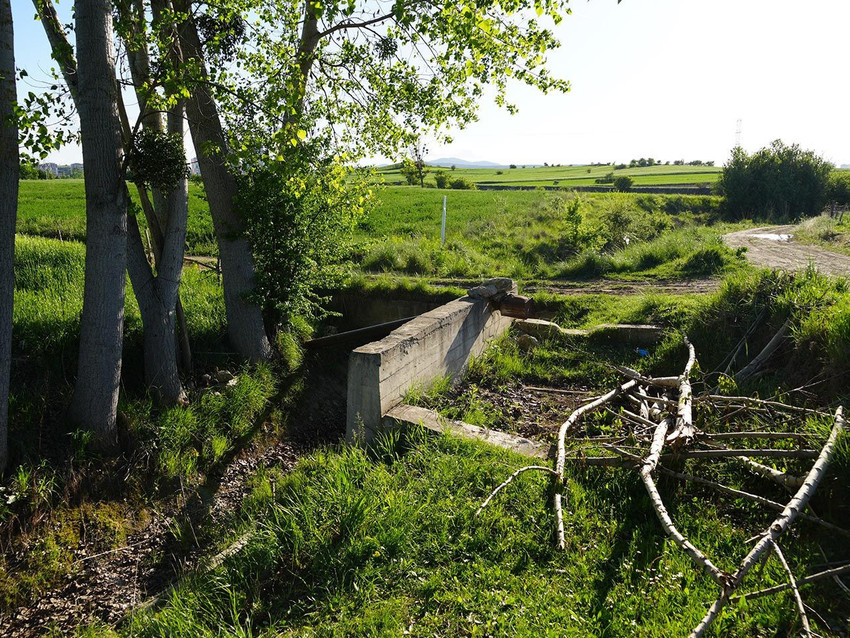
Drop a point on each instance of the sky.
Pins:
(667, 79)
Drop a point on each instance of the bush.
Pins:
(442, 179)
(838, 190)
(623, 184)
(778, 181)
(461, 184)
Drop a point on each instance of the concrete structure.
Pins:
(430, 420)
(436, 344)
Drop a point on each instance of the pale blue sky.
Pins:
(650, 78)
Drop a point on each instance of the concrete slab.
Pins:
(406, 415)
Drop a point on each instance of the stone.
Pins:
(223, 376)
(526, 342)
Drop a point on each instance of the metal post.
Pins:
(443, 227)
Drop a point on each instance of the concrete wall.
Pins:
(434, 345)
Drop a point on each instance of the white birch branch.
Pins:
(560, 459)
(793, 583)
(796, 505)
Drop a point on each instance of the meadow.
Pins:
(567, 176)
(523, 234)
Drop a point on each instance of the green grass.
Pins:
(516, 233)
(57, 209)
(50, 460)
(535, 234)
(348, 545)
(566, 176)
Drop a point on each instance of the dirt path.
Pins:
(774, 247)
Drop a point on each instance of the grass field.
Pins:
(57, 208)
(517, 233)
(538, 234)
(566, 176)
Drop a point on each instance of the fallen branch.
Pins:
(788, 481)
(527, 468)
(796, 505)
(762, 357)
(689, 548)
(753, 401)
(751, 497)
(683, 435)
(661, 382)
(774, 436)
(560, 459)
(828, 573)
(793, 583)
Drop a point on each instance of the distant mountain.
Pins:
(448, 162)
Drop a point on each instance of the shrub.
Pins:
(838, 190)
(442, 179)
(783, 181)
(461, 184)
(623, 184)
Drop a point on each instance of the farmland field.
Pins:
(57, 208)
(567, 176)
(517, 233)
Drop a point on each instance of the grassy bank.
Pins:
(61, 494)
(389, 545)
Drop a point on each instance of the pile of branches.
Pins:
(658, 412)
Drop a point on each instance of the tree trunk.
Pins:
(9, 173)
(95, 401)
(157, 295)
(244, 318)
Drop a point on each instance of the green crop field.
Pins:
(566, 176)
(532, 233)
(57, 208)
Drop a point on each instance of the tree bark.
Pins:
(9, 174)
(245, 326)
(95, 400)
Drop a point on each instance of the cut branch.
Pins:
(762, 358)
(828, 573)
(559, 462)
(683, 435)
(796, 505)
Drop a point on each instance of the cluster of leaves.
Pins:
(45, 121)
(778, 181)
(157, 159)
(299, 212)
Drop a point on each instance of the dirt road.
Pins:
(774, 247)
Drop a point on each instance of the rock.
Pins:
(482, 292)
(205, 380)
(526, 342)
(232, 382)
(223, 376)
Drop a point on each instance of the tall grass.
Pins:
(532, 234)
(348, 545)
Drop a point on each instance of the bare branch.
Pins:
(793, 583)
(527, 468)
(796, 505)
